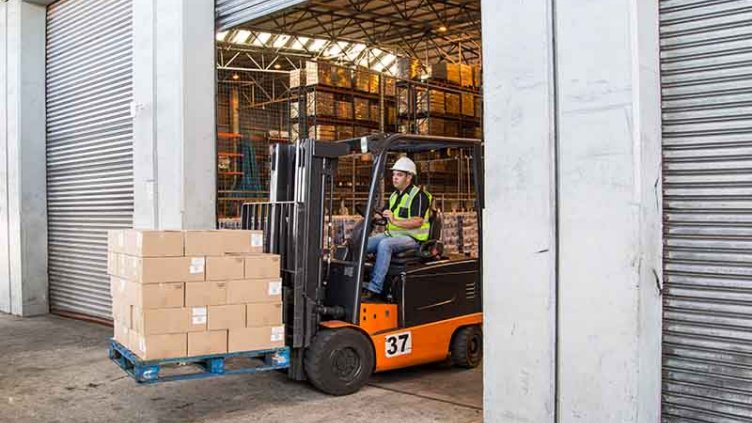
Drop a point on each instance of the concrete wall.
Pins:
(174, 129)
(604, 304)
(23, 203)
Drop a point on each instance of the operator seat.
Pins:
(430, 249)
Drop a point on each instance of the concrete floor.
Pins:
(56, 370)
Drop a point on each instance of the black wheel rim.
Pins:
(346, 364)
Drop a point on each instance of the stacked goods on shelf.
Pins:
(391, 115)
(477, 76)
(466, 76)
(452, 128)
(430, 100)
(345, 132)
(472, 132)
(320, 104)
(362, 109)
(450, 234)
(478, 106)
(294, 110)
(297, 78)
(279, 134)
(403, 102)
(319, 73)
(373, 83)
(449, 72)
(390, 86)
(408, 68)
(469, 224)
(452, 103)
(193, 293)
(362, 80)
(341, 77)
(344, 109)
(468, 104)
(322, 132)
(430, 126)
(374, 114)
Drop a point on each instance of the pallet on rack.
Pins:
(185, 368)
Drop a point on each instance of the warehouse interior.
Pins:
(332, 70)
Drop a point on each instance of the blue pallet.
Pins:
(149, 371)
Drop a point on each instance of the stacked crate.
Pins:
(318, 73)
(466, 76)
(408, 68)
(448, 72)
(430, 101)
(344, 109)
(320, 104)
(191, 293)
(362, 80)
(468, 104)
(452, 104)
(322, 132)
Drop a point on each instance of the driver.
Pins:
(407, 223)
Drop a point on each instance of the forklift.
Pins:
(431, 310)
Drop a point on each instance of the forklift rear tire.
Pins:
(467, 347)
(339, 361)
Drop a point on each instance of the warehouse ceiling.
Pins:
(429, 30)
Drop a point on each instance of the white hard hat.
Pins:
(405, 165)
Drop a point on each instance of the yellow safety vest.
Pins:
(419, 234)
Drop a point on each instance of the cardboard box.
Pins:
(116, 240)
(121, 333)
(199, 317)
(254, 291)
(224, 268)
(146, 243)
(162, 269)
(157, 295)
(262, 266)
(218, 243)
(258, 315)
(152, 347)
(249, 339)
(205, 293)
(161, 320)
(206, 343)
(226, 317)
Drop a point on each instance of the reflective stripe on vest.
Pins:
(419, 234)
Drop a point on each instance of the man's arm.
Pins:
(419, 207)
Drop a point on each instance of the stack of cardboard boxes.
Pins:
(191, 293)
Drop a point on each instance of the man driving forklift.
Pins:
(407, 225)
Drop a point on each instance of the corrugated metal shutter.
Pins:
(706, 61)
(232, 13)
(89, 146)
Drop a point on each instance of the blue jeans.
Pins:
(384, 246)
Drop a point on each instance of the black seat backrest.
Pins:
(436, 219)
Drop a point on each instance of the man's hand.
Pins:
(389, 215)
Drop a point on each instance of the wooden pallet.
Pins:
(186, 368)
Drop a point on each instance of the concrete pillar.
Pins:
(23, 199)
(174, 129)
(519, 220)
(593, 105)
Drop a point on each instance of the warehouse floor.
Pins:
(56, 370)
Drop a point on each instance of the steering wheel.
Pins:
(379, 220)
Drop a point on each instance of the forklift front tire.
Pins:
(339, 361)
(467, 347)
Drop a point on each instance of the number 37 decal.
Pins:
(399, 344)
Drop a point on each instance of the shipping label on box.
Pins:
(262, 266)
(161, 320)
(205, 293)
(260, 338)
(217, 243)
(199, 316)
(152, 347)
(263, 315)
(148, 243)
(254, 291)
(224, 268)
(206, 343)
(226, 317)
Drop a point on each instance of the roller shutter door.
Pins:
(89, 147)
(232, 13)
(706, 73)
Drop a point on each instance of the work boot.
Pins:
(370, 297)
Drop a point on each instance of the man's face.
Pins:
(401, 180)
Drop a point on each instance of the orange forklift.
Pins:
(431, 310)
